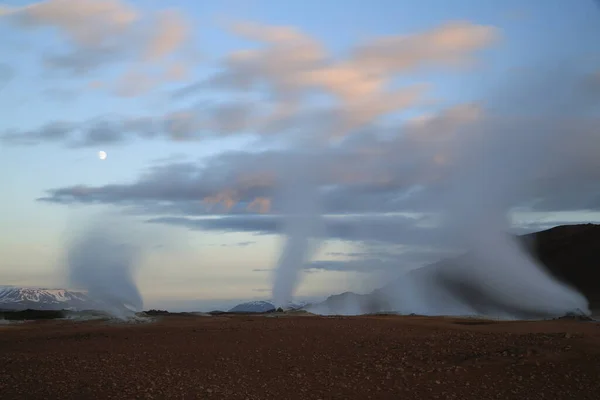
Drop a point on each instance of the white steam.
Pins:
(497, 162)
(499, 165)
(302, 219)
(102, 259)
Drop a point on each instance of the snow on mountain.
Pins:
(19, 298)
(261, 306)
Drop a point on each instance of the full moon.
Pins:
(102, 155)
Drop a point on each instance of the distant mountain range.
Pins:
(263, 306)
(19, 298)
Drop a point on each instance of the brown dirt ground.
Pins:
(298, 357)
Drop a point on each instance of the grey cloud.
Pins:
(174, 182)
(198, 122)
(239, 244)
(58, 131)
(83, 61)
(385, 229)
(379, 181)
(135, 83)
(174, 157)
(339, 254)
(410, 172)
(101, 132)
(101, 33)
(264, 225)
(311, 270)
(189, 90)
(232, 117)
(182, 183)
(386, 259)
(575, 90)
(364, 265)
(547, 147)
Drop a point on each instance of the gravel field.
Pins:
(301, 357)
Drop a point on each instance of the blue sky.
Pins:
(208, 265)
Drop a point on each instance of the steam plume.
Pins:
(299, 203)
(101, 261)
(502, 160)
(499, 167)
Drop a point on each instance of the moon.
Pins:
(102, 155)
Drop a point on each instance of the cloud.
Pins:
(57, 131)
(95, 30)
(246, 181)
(451, 43)
(367, 228)
(292, 65)
(82, 61)
(7, 73)
(292, 61)
(176, 72)
(171, 32)
(379, 258)
(87, 23)
(97, 34)
(274, 83)
(376, 170)
(239, 244)
(389, 263)
(375, 167)
(96, 84)
(135, 83)
(114, 129)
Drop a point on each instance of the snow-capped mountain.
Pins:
(262, 306)
(19, 298)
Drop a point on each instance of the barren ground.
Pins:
(301, 357)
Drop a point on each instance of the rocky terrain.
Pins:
(281, 356)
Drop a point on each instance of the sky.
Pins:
(201, 105)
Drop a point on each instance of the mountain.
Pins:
(263, 306)
(571, 253)
(254, 307)
(19, 298)
(347, 303)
